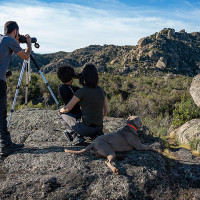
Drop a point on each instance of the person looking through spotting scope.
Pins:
(9, 44)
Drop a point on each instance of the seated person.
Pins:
(66, 74)
(94, 105)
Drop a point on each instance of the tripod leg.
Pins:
(29, 69)
(16, 93)
(26, 94)
(52, 94)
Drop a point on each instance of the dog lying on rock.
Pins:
(120, 141)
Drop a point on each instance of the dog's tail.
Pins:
(81, 151)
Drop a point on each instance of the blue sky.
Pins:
(66, 25)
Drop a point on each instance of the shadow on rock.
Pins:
(34, 150)
(151, 175)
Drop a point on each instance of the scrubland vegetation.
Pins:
(161, 99)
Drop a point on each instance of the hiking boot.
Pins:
(78, 140)
(11, 148)
(15, 147)
(1, 158)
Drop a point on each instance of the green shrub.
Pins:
(145, 93)
(39, 105)
(19, 107)
(185, 111)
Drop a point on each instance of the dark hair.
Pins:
(10, 26)
(66, 73)
(89, 76)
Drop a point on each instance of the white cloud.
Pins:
(66, 27)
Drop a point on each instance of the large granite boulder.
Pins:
(153, 55)
(171, 32)
(162, 63)
(195, 89)
(144, 41)
(42, 170)
(188, 131)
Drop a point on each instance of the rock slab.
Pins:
(188, 132)
(195, 89)
(42, 170)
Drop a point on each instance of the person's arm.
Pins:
(26, 54)
(70, 105)
(106, 107)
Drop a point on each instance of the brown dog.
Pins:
(120, 141)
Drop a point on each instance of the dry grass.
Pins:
(169, 154)
(171, 142)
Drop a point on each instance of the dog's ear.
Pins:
(138, 122)
(131, 118)
(135, 120)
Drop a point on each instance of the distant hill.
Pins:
(168, 51)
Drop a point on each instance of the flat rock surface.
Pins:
(42, 170)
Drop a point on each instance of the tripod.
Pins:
(26, 95)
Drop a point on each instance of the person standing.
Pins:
(9, 44)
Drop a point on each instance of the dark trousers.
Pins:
(68, 121)
(87, 131)
(72, 124)
(4, 134)
(3, 106)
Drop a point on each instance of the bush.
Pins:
(185, 111)
(147, 94)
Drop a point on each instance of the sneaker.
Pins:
(68, 136)
(78, 140)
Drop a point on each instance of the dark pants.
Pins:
(4, 134)
(3, 106)
(87, 131)
(72, 124)
(68, 121)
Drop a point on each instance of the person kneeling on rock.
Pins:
(66, 74)
(94, 106)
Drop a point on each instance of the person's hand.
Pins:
(28, 40)
(61, 111)
(18, 42)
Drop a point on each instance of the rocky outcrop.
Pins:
(143, 42)
(42, 170)
(162, 63)
(195, 89)
(170, 51)
(180, 49)
(54, 65)
(153, 54)
(188, 131)
(171, 32)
